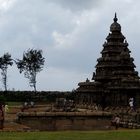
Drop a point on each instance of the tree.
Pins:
(31, 63)
(5, 61)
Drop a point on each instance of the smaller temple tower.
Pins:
(115, 79)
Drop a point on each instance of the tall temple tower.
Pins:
(115, 79)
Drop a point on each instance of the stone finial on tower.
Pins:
(115, 18)
(115, 26)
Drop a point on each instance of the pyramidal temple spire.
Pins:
(115, 78)
(115, 18)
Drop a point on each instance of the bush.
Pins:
(2, 99)
(41, 96)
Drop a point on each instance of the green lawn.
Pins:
(14, 103)
(73, 135)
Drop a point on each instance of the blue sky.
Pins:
(70, 33)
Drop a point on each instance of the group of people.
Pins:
(116, 120)
(27, 105)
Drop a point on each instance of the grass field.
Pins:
(14, 103)
(73, 135)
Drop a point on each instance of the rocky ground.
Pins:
(10, 123)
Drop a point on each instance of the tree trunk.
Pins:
(4, 78)
(34, 84)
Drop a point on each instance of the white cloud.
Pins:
(70, 33)
(6, 4)
(78, 5)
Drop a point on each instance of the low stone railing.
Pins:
(65, 120)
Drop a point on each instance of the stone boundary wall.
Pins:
(53, 121)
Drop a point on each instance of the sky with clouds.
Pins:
(70, 33)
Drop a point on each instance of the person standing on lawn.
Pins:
(117, 122)
(1, 116)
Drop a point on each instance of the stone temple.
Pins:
(115, 79)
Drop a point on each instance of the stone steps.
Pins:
(13, 126)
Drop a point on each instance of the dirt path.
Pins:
(10, 121)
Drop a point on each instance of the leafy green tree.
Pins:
(31, 63)
(5, 61)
